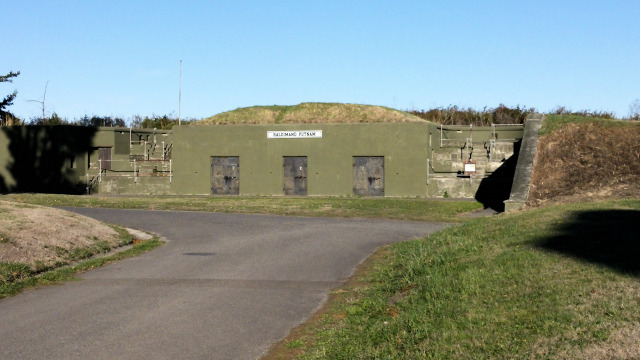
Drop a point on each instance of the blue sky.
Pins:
(121, 58)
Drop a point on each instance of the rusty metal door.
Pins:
(368, 175)
(295, 175)
(225, 175)
(104, 155)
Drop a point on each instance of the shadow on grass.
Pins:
(609, 238)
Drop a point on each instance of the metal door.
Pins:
(225, 175)
(104, 155)
(368, 175)
(295, 175)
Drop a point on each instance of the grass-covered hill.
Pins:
(310, 113)
(586, 158)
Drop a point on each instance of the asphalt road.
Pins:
(223, 287)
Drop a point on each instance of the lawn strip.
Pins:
(388, 208)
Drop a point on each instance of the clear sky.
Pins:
(121, 58)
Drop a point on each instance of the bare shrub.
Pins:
(453, 115)
(634, 110)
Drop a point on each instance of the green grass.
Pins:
(16, 277)
(401, 209)
(555, 122)
(557, 282)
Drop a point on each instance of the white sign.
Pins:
(294, 134)
(470, 168)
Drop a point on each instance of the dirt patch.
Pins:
(587, 161)
(41, 236)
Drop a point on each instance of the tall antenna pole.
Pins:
(180, 96)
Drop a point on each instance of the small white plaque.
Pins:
(295, 134)
(469, 167)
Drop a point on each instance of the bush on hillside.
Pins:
(561, 110)
(453, 115)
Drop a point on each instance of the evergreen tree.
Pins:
(8, 100)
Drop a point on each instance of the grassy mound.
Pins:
(37, 242)
(39, 237)
(310, 113)
(580, 158)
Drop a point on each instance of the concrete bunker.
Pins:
(417, 159)
(401, 159)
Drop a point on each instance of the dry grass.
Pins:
(41, 236)
(623, 343)
(310, 113)
(587, 161)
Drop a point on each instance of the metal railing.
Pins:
(467, 142)
(494, 136)
(91, 181)
(133, 173)
(150, 146)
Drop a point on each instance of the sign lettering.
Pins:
(294, 134)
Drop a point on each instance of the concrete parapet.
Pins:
(524, 168)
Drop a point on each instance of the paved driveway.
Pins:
(223, 287)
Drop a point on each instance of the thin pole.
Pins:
(428, 170)
(180, 96)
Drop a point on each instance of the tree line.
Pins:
(502, 114)
(452, 115)
(164, 122)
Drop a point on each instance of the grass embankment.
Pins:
(41, 245)
(580, 158)
(15, 277)
(388, 208)
(557, 282)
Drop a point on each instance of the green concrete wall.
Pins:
(58, 158)
(65, 157)
(139, 186)
(44, 158)
(330, 158)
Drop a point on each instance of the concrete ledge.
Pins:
(524, 168)
(511, 205)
